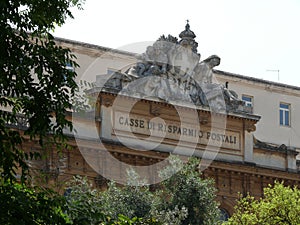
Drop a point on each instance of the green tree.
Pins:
(123, 220)
(280, 205)
(34, 79)
(132, 200)
(83, 203)
(30, 206)
(185, 198)
(86, 205)
(34, 83)
(186, 189)
(135, 200)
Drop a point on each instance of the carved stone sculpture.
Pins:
(203, 72)
(171, 70)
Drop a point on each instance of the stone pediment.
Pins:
(171, 70)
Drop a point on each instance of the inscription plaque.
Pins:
(157, 127)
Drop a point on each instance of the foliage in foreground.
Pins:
(182, 199)
(116, 205)
(186, 189)
(34, 79)
(280, 205)
(185, 198)
(24, 205)
(36, 206)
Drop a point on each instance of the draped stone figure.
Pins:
(203, 72)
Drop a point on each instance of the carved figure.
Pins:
(160, 57)
(203, 72)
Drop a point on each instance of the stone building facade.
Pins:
(166, 101)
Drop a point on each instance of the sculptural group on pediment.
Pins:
(171, 70)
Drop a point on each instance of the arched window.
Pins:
(224, 215)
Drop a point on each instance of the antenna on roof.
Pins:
(274, 71)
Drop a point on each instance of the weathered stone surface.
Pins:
(171, 70)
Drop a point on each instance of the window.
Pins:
(224, 215)
(284, 114)
(248, 100)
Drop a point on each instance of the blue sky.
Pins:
(250, 36)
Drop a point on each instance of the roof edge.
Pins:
(93, 46)
(254, 79)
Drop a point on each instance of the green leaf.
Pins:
(32, 80)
